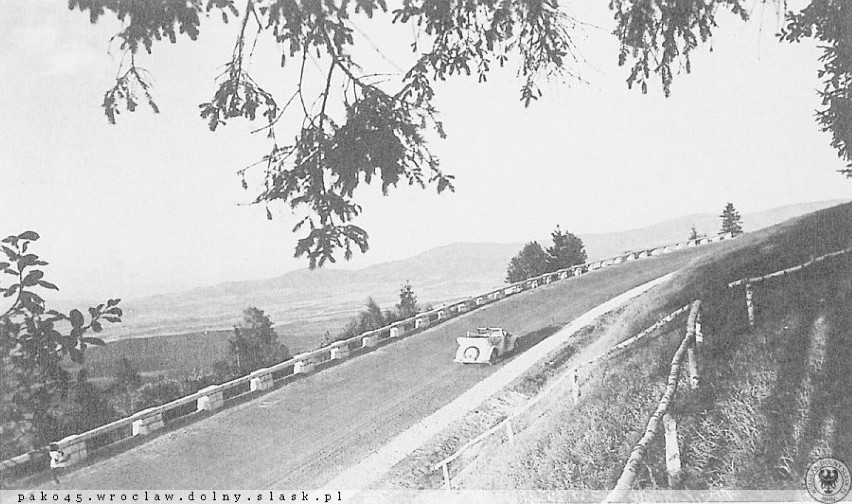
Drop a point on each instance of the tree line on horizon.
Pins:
(731, 223)
(532, 260)
(372, 317)
(568, 249)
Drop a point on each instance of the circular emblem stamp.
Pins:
(828, 480)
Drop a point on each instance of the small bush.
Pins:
(157, 393)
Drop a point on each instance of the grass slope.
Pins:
(772, 400)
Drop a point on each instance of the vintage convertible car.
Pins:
(485, 345)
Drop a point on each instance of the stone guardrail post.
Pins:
(211, 400)
(370, 341)
(261, 380)
(342, 352)
(304, 367)
(421, 322)
(74, 449)
(148, 423)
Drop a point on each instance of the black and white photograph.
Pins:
(392, 251)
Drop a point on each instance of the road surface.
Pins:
(302, 435)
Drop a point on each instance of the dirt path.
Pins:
(301, 435)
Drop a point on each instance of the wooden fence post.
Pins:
(575, 385)
(749, 304)
(447, 483)
(699, 336)
(692, 357)
(672, 450)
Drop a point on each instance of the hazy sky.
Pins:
(151, 204)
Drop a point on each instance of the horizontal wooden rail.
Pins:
(790, 270)
(630, 341)
(628, 475)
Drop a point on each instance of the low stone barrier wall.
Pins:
(215, 397)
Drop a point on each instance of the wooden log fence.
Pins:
(215, 397)
(628, 475)
(748, 283)
(511, 422)
(690, 346)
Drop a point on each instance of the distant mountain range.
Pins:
(305, 303)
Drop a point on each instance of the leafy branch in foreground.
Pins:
(355, 126)
(830, 22)
(34, 341)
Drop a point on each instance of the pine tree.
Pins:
(407, 306)
(567, 250)
(730, 220)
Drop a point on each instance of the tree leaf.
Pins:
(11, 254)
(27, 260)
(76, 318)
(33, 278)
(94, 341)
(29, 235)
(48, 285)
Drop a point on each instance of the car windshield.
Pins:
(484, 333)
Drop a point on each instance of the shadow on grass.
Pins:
(532, 339)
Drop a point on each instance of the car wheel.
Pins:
(471, 354)
(493, 359)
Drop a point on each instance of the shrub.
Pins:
(156, 394)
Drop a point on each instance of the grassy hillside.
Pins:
(773, 399)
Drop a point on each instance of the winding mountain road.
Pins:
(302, 435)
